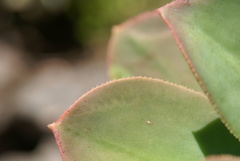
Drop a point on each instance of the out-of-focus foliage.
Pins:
(93, 19)
(144, 46)
(51, 26)
(24, 5)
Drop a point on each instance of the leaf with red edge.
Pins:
(208, 33)
(134, 119)
(144, 46)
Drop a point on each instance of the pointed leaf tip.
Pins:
(51, 126)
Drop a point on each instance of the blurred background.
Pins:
(51, 52)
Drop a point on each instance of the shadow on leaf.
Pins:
(215, 138)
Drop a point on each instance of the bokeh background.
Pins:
(51, 52)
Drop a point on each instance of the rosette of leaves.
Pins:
(143, 118)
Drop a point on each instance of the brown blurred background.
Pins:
(51, 52)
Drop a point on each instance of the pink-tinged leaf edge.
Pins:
(66, 113)
(115, 29)
(176, 4)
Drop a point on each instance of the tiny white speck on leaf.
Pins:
(149, 122)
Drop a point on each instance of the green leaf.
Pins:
(134, 119)
(144, 46)
(208, 34)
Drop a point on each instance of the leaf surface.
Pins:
(134, 119)
(144, 46)
(208, 34)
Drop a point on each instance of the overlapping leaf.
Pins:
(208, 34)
(146, 119)
(144, 46)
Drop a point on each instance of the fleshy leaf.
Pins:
(144, 46)
(222, 158)
(134, 119)
(208, 34)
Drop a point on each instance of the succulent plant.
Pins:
(149, 118)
